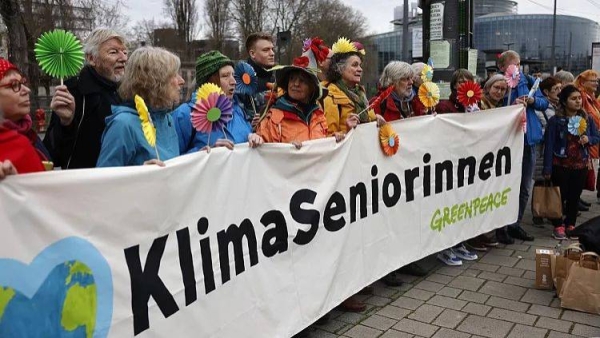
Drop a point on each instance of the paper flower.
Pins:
(146, 120)
(577, 125)
(429, 94)
(512, 76)
(212, 109)
(430, 62)
(245, 78)
(343, 45)
(390, 142)
(427, 73)
(301, 61)
(318, 48)
(359, 47)
(468, 93)
(59, 53)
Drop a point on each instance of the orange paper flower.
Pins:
(468, 93)
(429, 94)
(390, 142)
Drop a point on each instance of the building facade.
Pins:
(528, 34)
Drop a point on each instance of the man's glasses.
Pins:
(15, 84)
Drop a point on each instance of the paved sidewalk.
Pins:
(493, 297)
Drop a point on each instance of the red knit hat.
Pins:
(5, 67)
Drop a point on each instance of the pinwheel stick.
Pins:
(253, 105)
(156, 150)
(509, 96)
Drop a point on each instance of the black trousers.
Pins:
(570, 182)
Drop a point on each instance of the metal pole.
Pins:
(569, 56)
(553, 57)
(405, 33)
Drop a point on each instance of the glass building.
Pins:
(528, 34)
(531, 36)
(483, 7)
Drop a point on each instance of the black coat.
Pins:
(78, 145)
(258, 100)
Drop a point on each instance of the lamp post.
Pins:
(508, 44)
(553, 57)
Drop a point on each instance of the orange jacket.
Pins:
(592, 107)
(279, 126)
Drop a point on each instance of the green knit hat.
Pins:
(209, 63)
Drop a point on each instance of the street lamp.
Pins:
(508, 44)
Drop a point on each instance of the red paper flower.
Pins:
(468, 93)
(318, 48)
(301, 61)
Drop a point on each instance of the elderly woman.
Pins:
(153, 75)
(15, 107)
(587, 83)
(564, 77)
(216, 68)
(17, 155)
(566, 156)
(494, 91)
(296, 116)
(401, 103)
(346, 96)
(452, 105)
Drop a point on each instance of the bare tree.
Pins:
(218, 22)
(106, 14)
(143, 31)
(184, 15)
(330, 19)
(250, 16)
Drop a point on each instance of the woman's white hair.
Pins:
(99, 36)
(394, 72)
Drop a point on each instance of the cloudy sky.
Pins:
(380, 12)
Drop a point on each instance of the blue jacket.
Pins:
(237, 129)
(123, 141)
(534, 134)
(555, 143)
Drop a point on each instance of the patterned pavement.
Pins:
(493, 297)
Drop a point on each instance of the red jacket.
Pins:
(390, 111)
(19, 151)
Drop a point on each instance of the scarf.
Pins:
(358, 97)
(23, 127)
(404, 104)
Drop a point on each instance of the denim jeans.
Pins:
(526, 181)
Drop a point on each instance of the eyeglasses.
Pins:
(15, 84)
(593, 81)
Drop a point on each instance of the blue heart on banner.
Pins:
(65, 292)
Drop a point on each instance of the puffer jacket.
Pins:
(337, 106)
(288, 122)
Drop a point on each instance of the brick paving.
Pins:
(493, 297)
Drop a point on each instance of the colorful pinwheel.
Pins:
(512, 76)
(427, 73)
(212, 109)
(59, 54)
(429, 94)
(468, 93)
(146, 122)
(577, 125)
(390, 142)
(245, 78)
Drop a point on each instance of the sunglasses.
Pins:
(15, 84)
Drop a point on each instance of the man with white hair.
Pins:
(81, 105)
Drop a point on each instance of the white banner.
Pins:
(250, 242)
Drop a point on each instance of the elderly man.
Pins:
(81, 105)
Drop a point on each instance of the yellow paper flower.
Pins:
(206, 89)
(429, 94)
(582, 126)
(145, 120)
(389, 140)
(343, 45)
(427, 73)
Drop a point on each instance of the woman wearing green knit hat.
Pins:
(216, 68)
